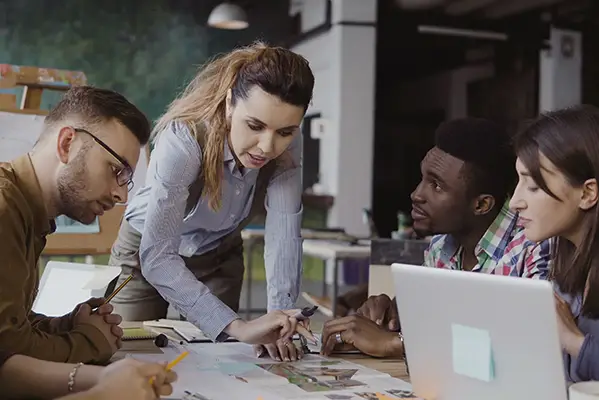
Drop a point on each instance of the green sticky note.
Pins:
(472, 352)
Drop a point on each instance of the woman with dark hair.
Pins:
(556, 196)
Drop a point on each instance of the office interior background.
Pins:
(387, 73)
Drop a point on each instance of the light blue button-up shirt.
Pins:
(158, 212)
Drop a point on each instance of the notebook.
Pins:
(188, 331)
(137, 334)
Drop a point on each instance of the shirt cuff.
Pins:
(212, 316)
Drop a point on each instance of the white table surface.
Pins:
(334, 250)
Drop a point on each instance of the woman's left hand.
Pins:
(281, 350)
(285, 350)
(570, 336)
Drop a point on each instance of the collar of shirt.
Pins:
(493, 243)
(232, 165)
(27, 182)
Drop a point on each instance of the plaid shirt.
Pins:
(503, 250)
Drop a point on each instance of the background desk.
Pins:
(386, 252)
(318, 244)
(336, 252)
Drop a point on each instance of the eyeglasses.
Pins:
(124, 176)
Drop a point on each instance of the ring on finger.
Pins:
(338, 338)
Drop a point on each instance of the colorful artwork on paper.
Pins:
(11, 75)
(317, 377)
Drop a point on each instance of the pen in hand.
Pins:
(115, 292)
(172, 364)
(305, 315)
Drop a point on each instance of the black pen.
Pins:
(305, 313)
(304, 344)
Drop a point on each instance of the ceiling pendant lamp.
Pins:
(228, 16)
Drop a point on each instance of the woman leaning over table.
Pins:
(556, 196)
(234, 136)
(23, 377)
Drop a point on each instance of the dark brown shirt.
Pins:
(24, 225)
(4, 356)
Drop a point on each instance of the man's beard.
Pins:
(71, 191)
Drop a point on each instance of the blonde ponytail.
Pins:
(203, 101)
(202, 105)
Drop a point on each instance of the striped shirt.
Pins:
(502, 250)
(157, 211)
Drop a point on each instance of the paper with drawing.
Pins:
(231, 371)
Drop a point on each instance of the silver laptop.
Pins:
(479, 336)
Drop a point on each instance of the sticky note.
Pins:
(472, 352)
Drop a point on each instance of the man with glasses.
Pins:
(81, 166)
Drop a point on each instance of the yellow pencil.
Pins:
(122, 285)
(172, 364)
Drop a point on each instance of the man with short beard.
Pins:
(81, 166)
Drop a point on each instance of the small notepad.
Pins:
(472, 352)
(137, 334)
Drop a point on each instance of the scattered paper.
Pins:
(472, 352)
(212, 371)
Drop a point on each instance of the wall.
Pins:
(343, 61)
(313, 14)
(560, 78)
(146, 50)
(447, 90)
(409, 112)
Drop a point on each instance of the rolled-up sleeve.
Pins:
(282, 241)
(177, 159)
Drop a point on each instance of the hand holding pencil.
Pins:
(99, 312)
(130, 379)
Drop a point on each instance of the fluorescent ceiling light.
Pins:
(228, 16)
